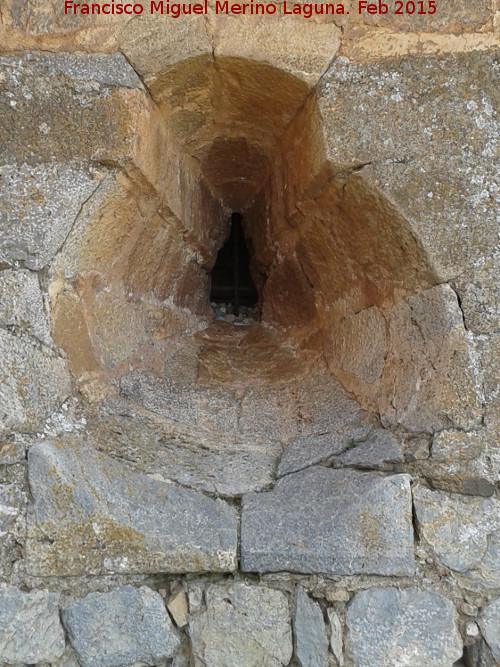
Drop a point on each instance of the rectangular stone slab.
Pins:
(93, 515)
(330, 521)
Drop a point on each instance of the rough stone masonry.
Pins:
(318, 486)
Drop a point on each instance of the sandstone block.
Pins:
(463, 532)
(30, 629)
(352, 523)
(243, 624)
(311, 642)
(358, 345)
(93, 515)
(127, 626)
(33, 383)
(387, 626)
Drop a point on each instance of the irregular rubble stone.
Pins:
(464, 462)
(30, 629)
(387, 626)
(426, 173)
(21, 304)
(331, 422)
(228, 464)
(33, 383)
(379, 448)
(489, 622)
(311, 642)
(177, 606)
(93, 515)
(351, 523)
(39, 206)
(127, 626)
(464, 533)
(243, 624)
(336, 642)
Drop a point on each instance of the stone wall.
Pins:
(319, 488)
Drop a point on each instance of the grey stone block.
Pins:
(21, 304)
(127, 626)
(331, 521)
(93, 515)
(311, 642)
(464, 533)
(33, 383)
(30, 629)
(229, 464)
(38, 206)
(107, 69)
(242, 625)
(379, 448)
(411, 627)
(332, 422)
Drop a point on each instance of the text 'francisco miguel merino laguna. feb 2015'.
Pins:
(175, 9)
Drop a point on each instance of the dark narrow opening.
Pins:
(232, 282)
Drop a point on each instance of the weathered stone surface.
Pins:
(489, 622)
(224, 463)
(30, 629)
(359, 344)
(49, 118)
(124, 627)
(303, 49)
(39, 206)
(21, 304)
(12, 451)
(464, 462)
(430, 379)
(187, 405)
(93, 515)
(157, 43)
(387, 626)
(12, 501)
(178, 608)
(463, 532)
(480, 294)
(440, 181)
(336, 641)
(311, 642)
(242, 625)
(33, 383)
(351, 523)
(379, 448)
(331, 421)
